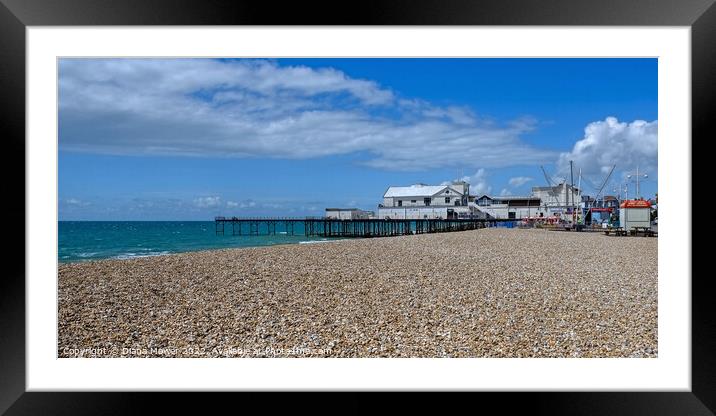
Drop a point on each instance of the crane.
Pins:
(551, 184)
(596, 197)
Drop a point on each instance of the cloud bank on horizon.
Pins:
(256, 108)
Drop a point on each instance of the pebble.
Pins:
(483, 293)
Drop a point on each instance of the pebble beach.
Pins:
(491, 292)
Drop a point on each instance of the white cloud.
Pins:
(611, 142)
(519, 181)
(478, 182)
(242, 204)
(256, 108)
(76, 202)
(272, 205)
(505, 192)
(207, 202)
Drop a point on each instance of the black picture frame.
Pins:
(16, 15)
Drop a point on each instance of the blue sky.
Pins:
(171, 139)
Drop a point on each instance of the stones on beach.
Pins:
(482, 293)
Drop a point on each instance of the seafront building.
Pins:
(421, 201)
(544, 201)
(511, 207)
(561, 202)
(558, 197)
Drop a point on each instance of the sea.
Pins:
(95, 240)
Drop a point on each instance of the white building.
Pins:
(510, 207)
(558, 199)
(422, 201)
(348, 214)
(453, 200)
(544, 201)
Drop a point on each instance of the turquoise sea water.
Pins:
(93, 240)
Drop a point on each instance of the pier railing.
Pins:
(331, 227)
(266, 218)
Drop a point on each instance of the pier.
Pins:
(357, 228)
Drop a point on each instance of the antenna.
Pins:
(571, 189)
(579, 187)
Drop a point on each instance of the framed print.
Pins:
(408, 197)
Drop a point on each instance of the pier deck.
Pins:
(358, 228)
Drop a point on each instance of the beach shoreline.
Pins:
(205, 250)
(483, 293)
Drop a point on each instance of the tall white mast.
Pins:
(638, 194)
(579, 190)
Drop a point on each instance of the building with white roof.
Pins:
(558, 198)
(421, 201)
(453, 200)
(545, 201)
(509, 207)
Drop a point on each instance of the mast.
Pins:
(571, 189)
(579, 191)
(638, 195)
(605, 182)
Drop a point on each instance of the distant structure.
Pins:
(609, 201)
(421, 201)
(635, 214)
(544, 201)
(600, 210)
(559, 197)
(349, 214)
(510, 207)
